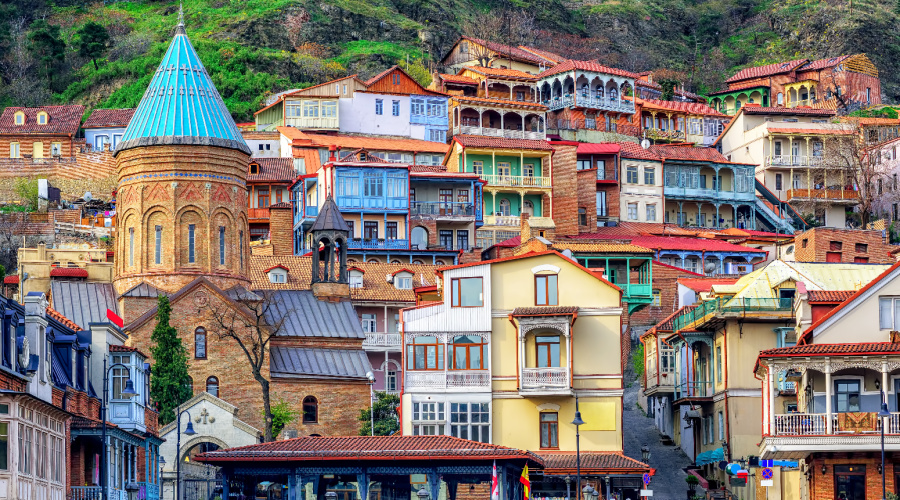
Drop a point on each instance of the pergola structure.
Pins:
(397, 467)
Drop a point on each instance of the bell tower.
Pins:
(182, 182)
(330, 233)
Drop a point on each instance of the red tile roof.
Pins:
(666, 324)
(477, 141)
(828, 349)
(601, 148)
(68, 272)
(458, 79)
(101, 118)
(828, 62)
(767, 70)
(359, 142)
(679, 243)
(735, 88)
(688, 153)
(62, 120)
(510, 243)
(12, 279)
(509, 51)
(502, 72)
(58, 316)
(367, 448)
(694, 108)
(829, 295)
(273, 169)
(572, 65)
(760, 110)
(379, 76)
(545, 311)
(550, 56)
(635, 151)
(703, 285)
(592, 461)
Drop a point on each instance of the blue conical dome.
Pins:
(182, 106)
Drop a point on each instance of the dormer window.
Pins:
(254, 168)
(20, 118)
(277, 274)
(120, 376)
(356, 278)
(403, 280)
(42, 118)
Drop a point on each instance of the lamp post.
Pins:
(371, 377)
(188, 431)
(162, 463)
(883, 414)
(128, 392)
(568, 480)
(422, 494)
(577, 423)
(645, 454)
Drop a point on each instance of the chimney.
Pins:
(525, 227)
(331, 150)
(281, 229)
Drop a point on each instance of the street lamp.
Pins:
(371, 377)
(422, 494)
(883, 414)
(568, 480)
(577, 423)
(645, 454)
(188, 431)
(162, 463)
(128, 392)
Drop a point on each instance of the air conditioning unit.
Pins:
(389, 278)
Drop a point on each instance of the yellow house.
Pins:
(514, 344)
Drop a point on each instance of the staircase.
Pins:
(770, 218)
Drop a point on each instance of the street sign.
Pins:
(766, 482)
(766, 463)
(785, 463)
(767, 473)
(737, 481)
(646, 479)
(646, 493)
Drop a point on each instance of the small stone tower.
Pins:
(182, 182)
(330, 233)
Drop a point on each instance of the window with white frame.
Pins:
(278, 275)
(403, 281)
(632, 211)
(310, 109)
(369, 323)
(390, 378)
(889, 313)
(428, 419)
(471, 421)
(356, 279)
(651, 213)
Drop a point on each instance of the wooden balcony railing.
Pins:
(822, 194)
(258, 213)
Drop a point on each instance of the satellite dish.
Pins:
(87, 196)
(710, 267)
(645, 143)
(790, 249)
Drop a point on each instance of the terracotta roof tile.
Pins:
(375, 286)
(550, 56)
(12, 279)
(694, 108)
(572, 65)
(703, 285)
(592, 461)
(62, 120)
(635, 151)
(366, 448)
(510, 51)
(767, 70)
(545, 311)
(829, 295)
(477, 141)
(666, 324)
(503, 72)
(680, 243)
(109, 118)
(827, 349)
(371, 143)
(760, 110)
(810, 131)
(828, 62)
(688, 153)
(68, 272)
(58, 316)
(599, 247)
(458, 79)
(273, 169)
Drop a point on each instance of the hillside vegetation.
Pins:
(256, 47)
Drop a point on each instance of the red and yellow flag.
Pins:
(526, 483)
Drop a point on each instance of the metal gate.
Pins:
(202, 489)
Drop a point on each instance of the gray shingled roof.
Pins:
(306, 316)
(310, 362)
(144, 290)
(330, 218)
(83, 303)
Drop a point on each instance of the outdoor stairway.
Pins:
(778, 223)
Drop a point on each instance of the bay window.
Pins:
(468, 353)
(425, 353)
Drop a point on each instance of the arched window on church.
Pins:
(310, 410)
(212, 386)
(200, 343)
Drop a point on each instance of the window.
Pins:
(379, 106)
(373, 184)
(862, 247)
(345, 89)
(657, 298)
(20, 118)
(310, 410)
(651, 213)
(130, 246)
(779, 98)
(470, 421)
(467, 353)
(191, 248)
(221, 245)
(582, 216)
(602, 210)
(263, 198)
(395, 108)
(212, 386)
(547, 351)
(390, 380)
(4, 446)
(55, 149)
(403, 281)
(445, 238)
(241, 246)
(417, 106)
(549, 430)
(278, 275)
(462, 239)
(370, 230)
(478, 167)
(356, 280)
(464, 47)
(120, 375)
(431, 416)
(632, 211)
(42, 118)
(329, 110)
(369, 323)
(310, 109)
(778, 184)
(846, 394)
(719, 363)
(584, 165)
(437, 135)
(503, 169)
(395, 78)
(528, 170)
(200, 343)
(425, 353)
(649, 176)
(390, 230)
(631, 175)
(545, 291)
(14, 151)
(466, 292)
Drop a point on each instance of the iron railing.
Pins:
(740, 305)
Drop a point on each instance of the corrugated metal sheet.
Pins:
(303, 362)
(816, 276)
(306, 316)
(443, 317)
(83, 303)
(144, 290)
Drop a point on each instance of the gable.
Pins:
(844, 323)
(396, 81)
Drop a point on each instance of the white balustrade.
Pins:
(382, 340)
(798, 424)
(545, 378)
(448, 379)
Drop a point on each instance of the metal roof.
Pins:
(312, 362)
(762, 282)
(83, 303)
(182, 106)
(330, 218)
(145, 291)
(306, 316)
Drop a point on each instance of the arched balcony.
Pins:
(512, 124)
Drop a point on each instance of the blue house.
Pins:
(105, 127)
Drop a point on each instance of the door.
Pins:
(446, 239)
(850, 482)
(528, 208)
(446, 201)
(419, 238)
(37, 150)
(370, 230)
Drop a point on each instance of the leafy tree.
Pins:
(386, 421)
(637, 360)
(46, 45)
(282, 414)
(92, 41)
(170, 385)
(27, 191)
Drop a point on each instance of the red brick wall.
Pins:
(815, 244)
(822, 486)
(664, 280)
(26, 144)
(281, 230)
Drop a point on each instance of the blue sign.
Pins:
(766, 463)
(646, 479)
(767, 473)
(785, 463)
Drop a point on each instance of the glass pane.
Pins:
(459, 358)
(465, 339)
(545, 438)
(426, 340)
(548, 417)
(542, 356)
(554, 355)
(470, 292)
(541, 285)
(4, 446)
(432, 357)
(896, 312)
(420, 358)
(475, 358)
(553, 436)
(551, 290)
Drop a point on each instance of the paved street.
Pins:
(668, 483)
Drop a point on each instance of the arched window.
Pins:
(212, 386)
(780, 99)
(504, 207)
(417, 261)
(419, 238)
(585, 90)
(528, 207)
(599, 92)
(310, 410)
(468, 352)
(200, 343)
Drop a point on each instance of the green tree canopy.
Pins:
(46, 45)
(92, 41)
(170, 384)
(386, 421)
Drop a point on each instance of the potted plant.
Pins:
(692, 482)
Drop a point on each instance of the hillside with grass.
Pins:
(103, 54)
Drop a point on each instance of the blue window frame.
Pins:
(379, 106)
(191, 253)
(395, 108)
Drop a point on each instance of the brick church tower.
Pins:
(182, 192)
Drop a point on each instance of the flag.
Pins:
(526, 483)
(495, 484)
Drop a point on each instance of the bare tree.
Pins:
(20, 70)
(848, 161)
(483, 29)
(11, 230)
(251, 326)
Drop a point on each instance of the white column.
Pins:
(884, 378)
(828, 424)
(571, 362)
(521, 358)
(770, 376)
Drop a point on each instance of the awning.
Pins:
(710, 457)
(598, 149)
